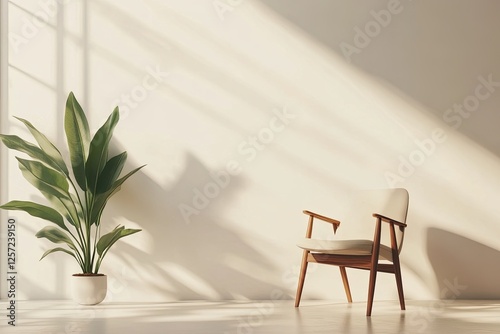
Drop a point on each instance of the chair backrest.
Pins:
(392, 203)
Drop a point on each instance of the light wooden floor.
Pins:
(58, 317)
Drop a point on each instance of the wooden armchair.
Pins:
(388, 206)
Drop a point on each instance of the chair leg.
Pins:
(302, 277)
(343, 273)
(399, 281)
(371, 290)
(373, 268)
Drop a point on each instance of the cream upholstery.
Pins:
(344, 247)
(392, 203)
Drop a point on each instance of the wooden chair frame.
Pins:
(366, 262)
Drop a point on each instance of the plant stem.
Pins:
(88, 226)
(78, 225)
(97, 234)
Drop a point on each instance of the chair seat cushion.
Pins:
(344, 247)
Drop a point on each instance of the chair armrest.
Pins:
(323, 218)
(389, 220)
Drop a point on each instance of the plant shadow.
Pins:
(204, 257)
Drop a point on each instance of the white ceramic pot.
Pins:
(89, 289)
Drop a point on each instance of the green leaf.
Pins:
(111, 172)
(54, 186)
(56, 236)
(47, 147)
(43, 178)
(98, 151)
(101, 199)
(19, 144)
(58, 249)
(69, 208)
(107, 240)
(37, 210)
(78, 137)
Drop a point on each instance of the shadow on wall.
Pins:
(467, 85)
(465, 269)
(203, 259)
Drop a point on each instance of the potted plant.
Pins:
(78, 197)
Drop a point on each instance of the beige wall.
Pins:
(246, 113)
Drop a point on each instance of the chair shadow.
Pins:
(464, 268)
